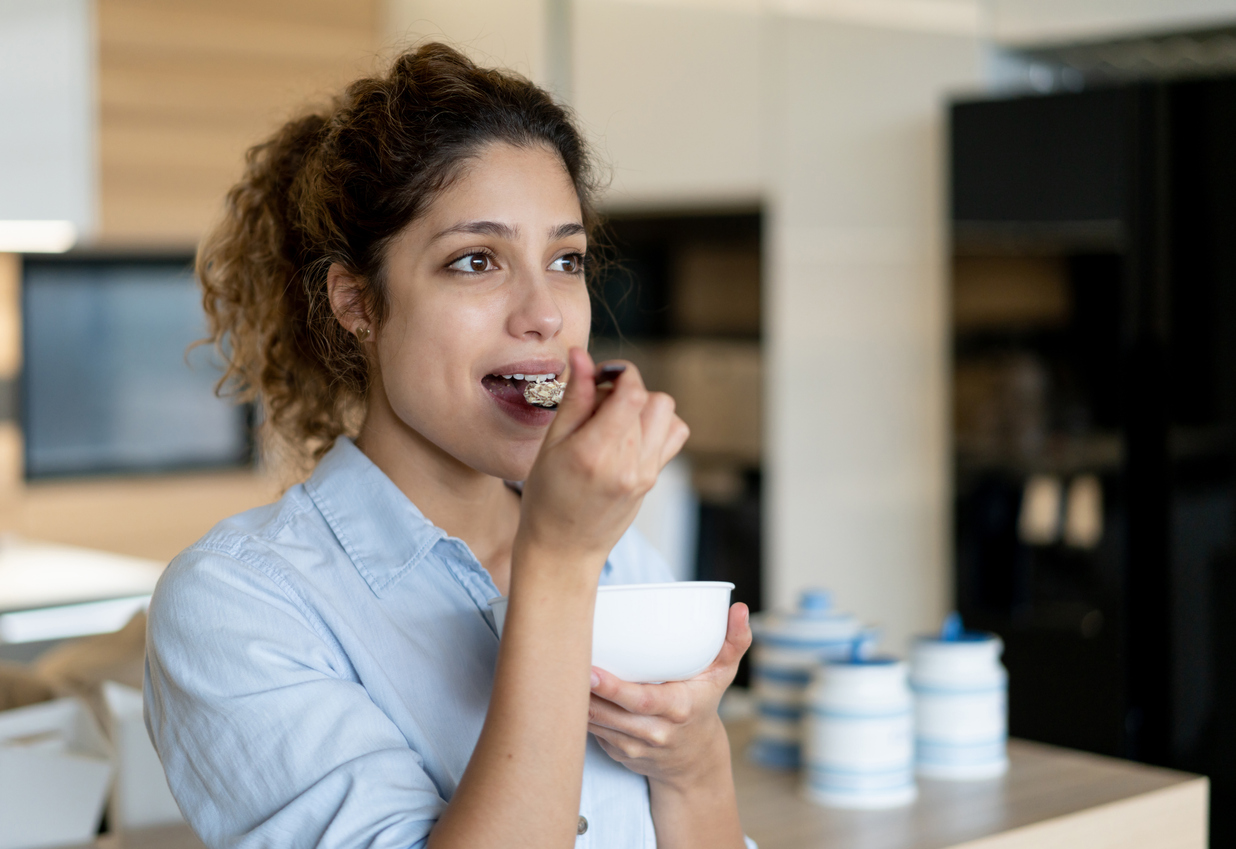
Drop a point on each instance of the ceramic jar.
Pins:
(858, 735)
(961, 706)
(789, 647)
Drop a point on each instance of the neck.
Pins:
(475, 507)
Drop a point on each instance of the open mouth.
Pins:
(510, 387)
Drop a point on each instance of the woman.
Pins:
(324, 671)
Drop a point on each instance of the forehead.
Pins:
(508, 183)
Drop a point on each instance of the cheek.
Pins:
(428, 356)
(577, 316)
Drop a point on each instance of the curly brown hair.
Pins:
(336, 186)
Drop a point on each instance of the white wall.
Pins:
(47, 155)
(670, 97)
(505, 33)
(1043, 21)
(855, 334)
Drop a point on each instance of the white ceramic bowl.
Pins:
(648, 633)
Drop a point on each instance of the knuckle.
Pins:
(630, 480)
(678, 714)
(638, 396)
(659, 737)
(584, 462)
(628, 750)
(647, 481)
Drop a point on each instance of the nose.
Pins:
(534, 311)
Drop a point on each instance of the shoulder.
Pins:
(247, 559)
(634, 560)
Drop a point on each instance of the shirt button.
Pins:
(583, 825)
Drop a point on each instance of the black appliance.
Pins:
(1094, 353)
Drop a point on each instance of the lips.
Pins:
(505, 384)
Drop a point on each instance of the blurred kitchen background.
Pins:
(946, 290)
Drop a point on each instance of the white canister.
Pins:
(789, 647)
(858, 735)
(961, 706)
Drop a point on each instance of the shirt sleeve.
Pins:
(265, 734)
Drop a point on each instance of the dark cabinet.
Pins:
(1094, 351)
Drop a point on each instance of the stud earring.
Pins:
(362, 333)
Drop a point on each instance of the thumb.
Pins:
(579, 398)
(737, 640)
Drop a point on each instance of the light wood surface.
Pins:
(1051, 799)
(186, 87)
(154, 517)
(10, 316)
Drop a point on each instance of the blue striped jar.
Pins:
(961, 706)
(789, 647)
(858, 735)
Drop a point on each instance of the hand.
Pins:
(670, 732)
(602, 453)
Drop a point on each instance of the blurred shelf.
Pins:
(1038, 238)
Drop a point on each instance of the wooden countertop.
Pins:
(1051, 798)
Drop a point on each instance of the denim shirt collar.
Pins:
(383, 532)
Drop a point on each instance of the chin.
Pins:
(512, 464)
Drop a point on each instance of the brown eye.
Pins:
(473, 263)
(570, 264)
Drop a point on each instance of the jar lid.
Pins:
(814, 623)
(880, 678)
(953, 634)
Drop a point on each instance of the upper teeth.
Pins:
(532, 378)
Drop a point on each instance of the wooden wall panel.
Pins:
(185, 87)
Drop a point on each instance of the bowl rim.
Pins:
(671, 584)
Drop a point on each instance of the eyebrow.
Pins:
(506, 231)
(480, 228)
(562, 231)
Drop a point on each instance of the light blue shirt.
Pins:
(318, 671)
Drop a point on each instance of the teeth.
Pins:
(531, 378)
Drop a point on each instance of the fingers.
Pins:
(622, 408)
(656, 419)
(677, 437)
(671, 700)
(579, 398)
(621, 747)
(652, 730)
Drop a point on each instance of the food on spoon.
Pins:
(546, 391)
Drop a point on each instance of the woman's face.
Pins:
(488, 282)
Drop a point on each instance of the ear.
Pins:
(347, 298)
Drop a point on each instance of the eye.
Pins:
(570, 263)
(473, 263)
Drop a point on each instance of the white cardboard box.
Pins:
(55, 768)
(141, 797)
